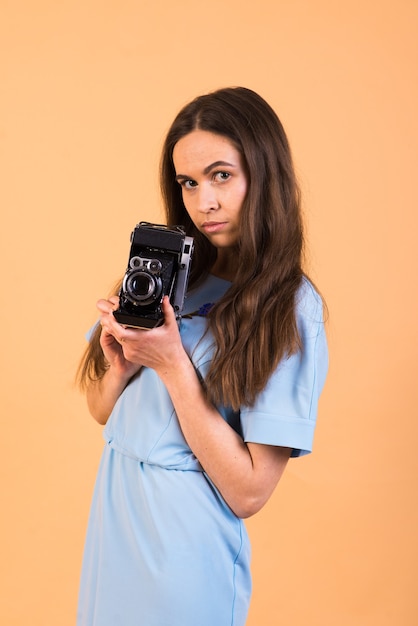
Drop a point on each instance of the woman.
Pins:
(202, 417)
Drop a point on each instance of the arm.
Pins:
(103, 394)
(245, 474)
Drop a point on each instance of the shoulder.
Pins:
(309, 307)
(307, 297)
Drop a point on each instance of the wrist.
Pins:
(179, 375)
(119, 377)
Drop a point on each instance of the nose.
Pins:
(206, 198)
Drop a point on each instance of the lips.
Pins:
(213, 227)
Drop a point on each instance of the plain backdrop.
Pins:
(88, 90)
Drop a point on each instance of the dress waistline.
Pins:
(190, 464)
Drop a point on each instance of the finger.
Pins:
(104, 306)
(169, 315)
(115, 301)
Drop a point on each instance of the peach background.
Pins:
(88, 89)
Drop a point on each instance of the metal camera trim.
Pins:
(163, 254)
(147, 268)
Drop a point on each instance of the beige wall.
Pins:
(88, 90)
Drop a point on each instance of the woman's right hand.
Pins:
(111, 346)
(102, 394)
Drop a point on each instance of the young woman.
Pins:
(201, 417)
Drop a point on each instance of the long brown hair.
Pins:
(254, 323)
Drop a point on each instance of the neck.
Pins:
(226, 264)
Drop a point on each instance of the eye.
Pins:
(221, 176)
(187, 184)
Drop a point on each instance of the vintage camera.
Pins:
(159, 265)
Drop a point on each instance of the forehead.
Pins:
(201, 147)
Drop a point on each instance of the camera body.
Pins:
(158, 266)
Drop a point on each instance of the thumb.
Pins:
(169, 315)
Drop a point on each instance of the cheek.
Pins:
(188, 205)
(185, 200)
(240, 195)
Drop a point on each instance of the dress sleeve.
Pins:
(285, 412)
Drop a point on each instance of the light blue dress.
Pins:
(162, 546)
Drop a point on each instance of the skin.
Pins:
(214, 185)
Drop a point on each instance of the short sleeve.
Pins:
(89, 334)
(285, 412)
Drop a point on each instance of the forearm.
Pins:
(245, 474)
(103, 394)
(244, 477)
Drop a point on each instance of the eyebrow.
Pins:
(207, 169)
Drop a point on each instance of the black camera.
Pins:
(159, 265)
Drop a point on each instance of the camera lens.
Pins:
(142, 288)
(141, 285)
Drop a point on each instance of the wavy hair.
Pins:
(254, 323)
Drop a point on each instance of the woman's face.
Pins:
(214, 184)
